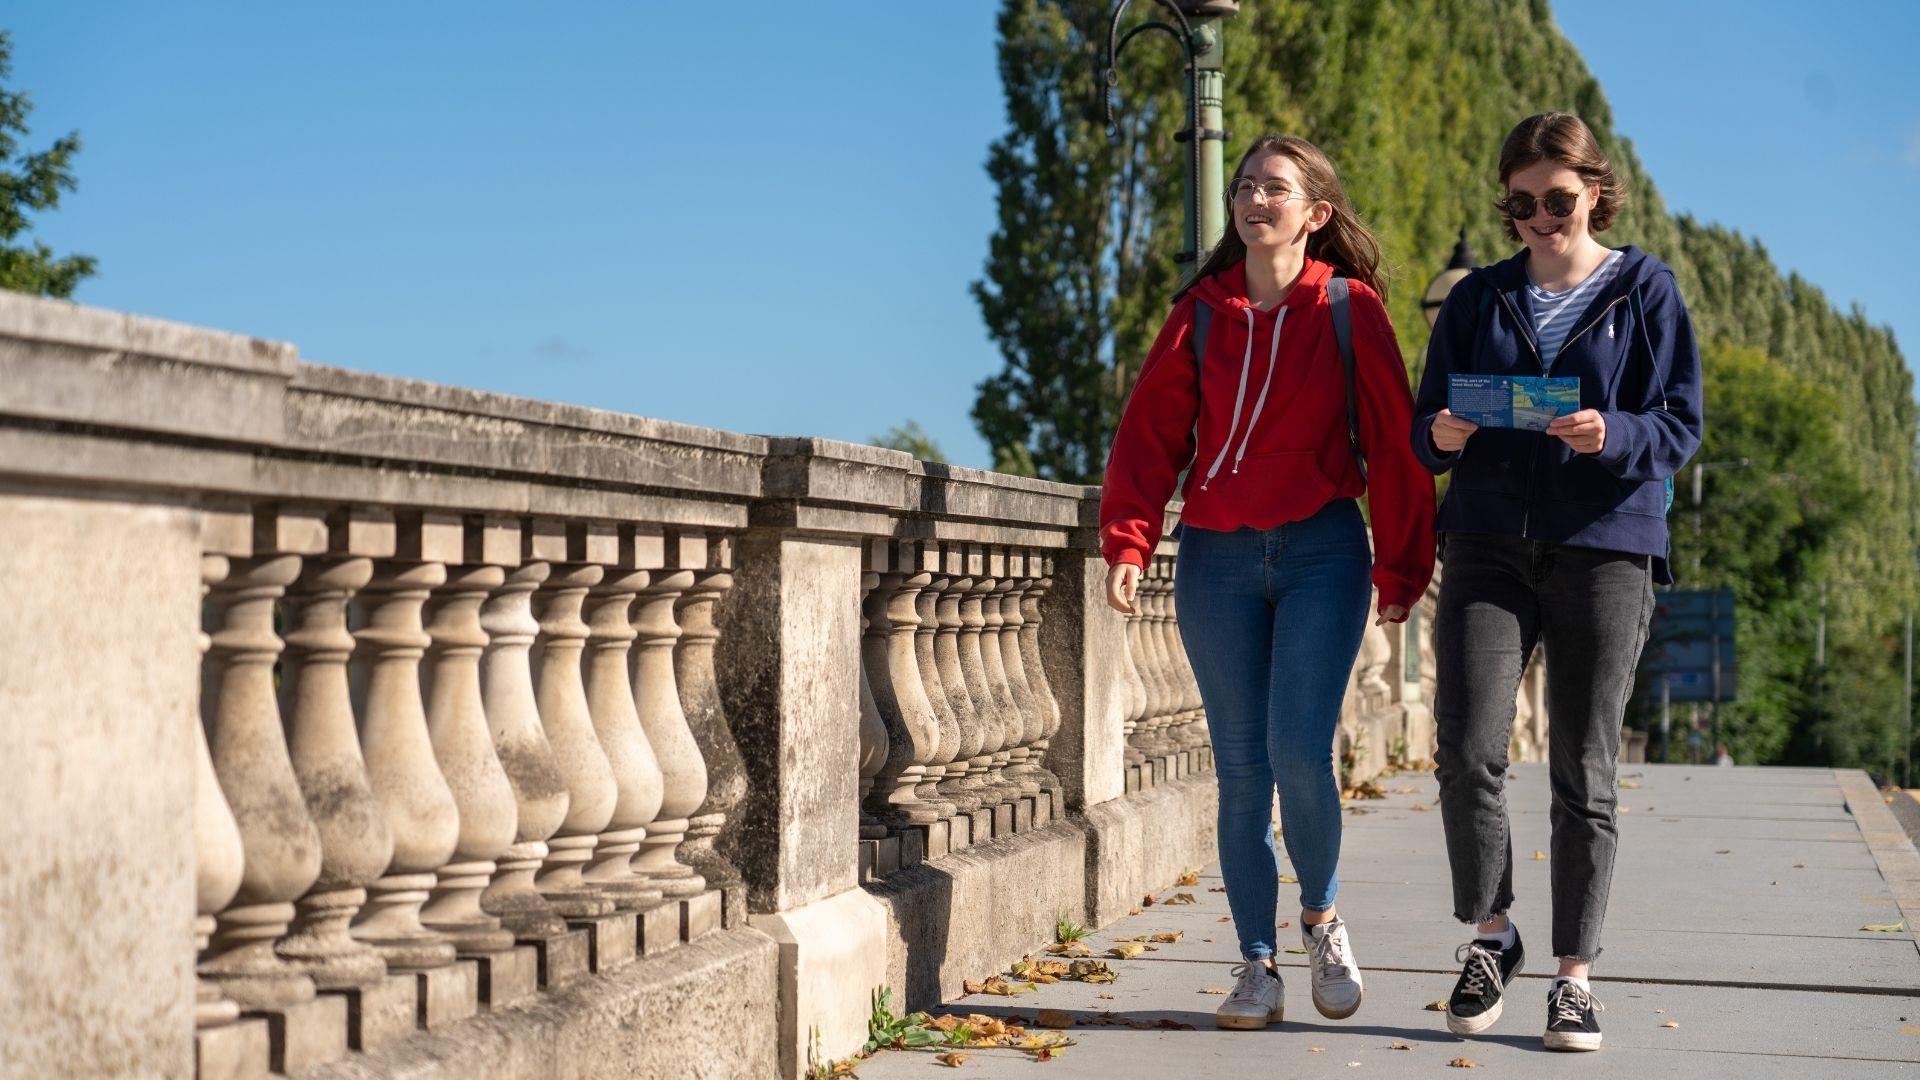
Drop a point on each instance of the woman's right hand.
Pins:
(1123, 584)
(1450, 433)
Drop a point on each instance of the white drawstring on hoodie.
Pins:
(1240, 396)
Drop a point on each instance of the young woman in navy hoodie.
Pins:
(1554, 539)
(1274, 565)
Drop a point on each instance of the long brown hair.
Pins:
(1343, 241)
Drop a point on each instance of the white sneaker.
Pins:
(1337, 987)
(1258, 999)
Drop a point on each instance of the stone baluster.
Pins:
(540, 795)
(280, 846)
(1009, 723)
(1173, 730)
(390, 642)
(1049, 706)
(987, 713)
(219, 857)
(636, 770)
(323, 742)
(967, 774)
(913, 729)
(682, 767)
(942, 771)
(1027, 716)
(463, 747)
(693, 669)
(1136, 689)
(873, 730)
(1161, 699)
(561, 691)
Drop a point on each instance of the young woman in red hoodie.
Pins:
(1273, 573)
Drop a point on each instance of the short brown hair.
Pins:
(1565, 140)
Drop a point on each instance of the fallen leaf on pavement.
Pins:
(1406, 791)
(1105, 997)
(1213, 990)
(954, 1060)
(1053, 1018)
(1398, 1046)
(1539, 856)
(1148, 900)
(1629, 783)
(1316, 1049)
(1218, 888)
(1284, 923)
(1167, 937)
(1437, 1006)
(1191, 877)
(1296, 949)
(1463, 1063)
(1180, 898)
(1671, 1023)
(1887, 928)
(1626, 809)
(1420, 807)
(1799, 866)
(999, 984)
(1091, 971)
(1070, 949)
(974, 987)
(1289, 879)
(1127, 952)
(1133, 911)
(1226, 918)
(1724, 851)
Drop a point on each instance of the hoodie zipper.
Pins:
(1533, 459)
(1597, 319)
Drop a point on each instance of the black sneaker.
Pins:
(1571, 1024)
(1487, 970)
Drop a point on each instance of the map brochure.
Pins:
(1525, 402)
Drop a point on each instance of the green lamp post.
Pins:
(1196, 28)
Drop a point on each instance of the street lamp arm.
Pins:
(1182, 35)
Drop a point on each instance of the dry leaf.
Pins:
(1127, 952)
(1539, 856)
(1671, 1023)
(1437, 1006)
(1398, 1046)
(1463, 1063)
(1887, 928)
(1420, 807)
(999, 984)
(1148, 900)
(1167, 937)
(1218, 888)
(1053, 1018)
(1226, 918)
(1133, 911)
(1045, 1053)
(1296, 949)
(1626, 809)
(1191, 877)
(1724, 851)
(1180, 898)
(1105, 997)
(974, 987)
(1799, 866)
(954, 1059)
(1289, 879)
(1091, 971)
(1406, 791)
(1284, 923)
(1213, 990)
(1070, 949)
(1629, 783)
(1316, 1049)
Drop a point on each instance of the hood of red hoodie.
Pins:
(1226, 291)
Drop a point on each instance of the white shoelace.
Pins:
(1247, 990)
(1569, 999)
(1482, 968)
(1330, 954)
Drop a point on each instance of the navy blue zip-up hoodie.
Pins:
(1634, 353)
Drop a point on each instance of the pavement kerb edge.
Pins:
(1892, 851)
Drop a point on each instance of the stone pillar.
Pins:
(988, 713)
(540, 796)
(564, 714)
(630, 754)
(683, 769)
(463, 747)
(1082, 645)
(707, 717)
(1008, 721)
(1020, 766)
(418, 805)
(216, 841)
(248, 744)
(324, 744)
(1034, 665)
(788, 669)
(940, 769)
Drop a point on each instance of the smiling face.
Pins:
(1265, 221)
(1543, 233)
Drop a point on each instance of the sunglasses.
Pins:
(1520, 206)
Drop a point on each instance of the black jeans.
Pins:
(1499, 597)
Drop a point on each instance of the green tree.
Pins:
(31, 182)
(912, 438)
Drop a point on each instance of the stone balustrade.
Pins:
(359, 720)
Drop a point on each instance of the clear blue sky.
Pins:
(767, 221)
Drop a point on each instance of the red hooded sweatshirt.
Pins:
(1272, 428)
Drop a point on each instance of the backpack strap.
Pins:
(1202, 322)
(1343, 334)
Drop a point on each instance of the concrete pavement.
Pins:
(1738, 901)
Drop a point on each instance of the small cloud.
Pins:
(559, 348)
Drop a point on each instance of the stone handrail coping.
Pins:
(126, 401)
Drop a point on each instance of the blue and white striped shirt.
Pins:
(1554, 313)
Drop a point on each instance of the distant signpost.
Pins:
(1690, 654)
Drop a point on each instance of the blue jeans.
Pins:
(1272, 621)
